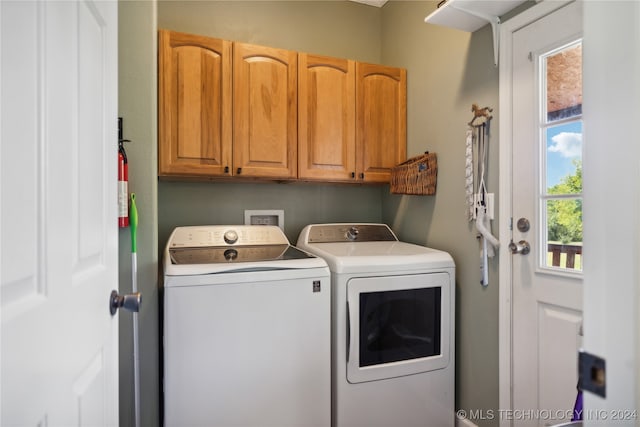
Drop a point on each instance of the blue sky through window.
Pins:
(564, 145)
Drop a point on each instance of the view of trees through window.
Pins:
(564, 216)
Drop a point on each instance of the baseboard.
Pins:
(463, 422)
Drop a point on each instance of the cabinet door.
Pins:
(194, 105)
(381, 120)
(265, 112)
(326, 118)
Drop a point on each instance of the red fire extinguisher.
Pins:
(123, 180)
(123, 190)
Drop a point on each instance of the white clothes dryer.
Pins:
(246, 330)
(393, 303)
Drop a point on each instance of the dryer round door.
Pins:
(397, 325)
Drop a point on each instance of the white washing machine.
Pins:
(393, 303)
(246, 330)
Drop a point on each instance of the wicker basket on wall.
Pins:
(417, 175)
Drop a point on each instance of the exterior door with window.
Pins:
(546, 216)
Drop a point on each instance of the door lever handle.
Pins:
(522, 247)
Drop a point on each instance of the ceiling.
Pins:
(377, 3)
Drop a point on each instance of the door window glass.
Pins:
(399, 325)
(561, 139)
(563, 73)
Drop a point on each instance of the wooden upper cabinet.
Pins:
(326, 118)
(381, 120)
(264, 111)
(195, 107)
(236, 109)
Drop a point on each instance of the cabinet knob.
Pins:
(239, 171)
(226, 169)
(361, 175)
(353, 174)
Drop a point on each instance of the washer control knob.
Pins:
(230, 237)
(352, 233)
(230, 254)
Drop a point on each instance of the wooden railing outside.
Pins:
(571, 250)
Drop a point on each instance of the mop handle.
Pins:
(133, 223)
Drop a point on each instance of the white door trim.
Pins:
(505, 152)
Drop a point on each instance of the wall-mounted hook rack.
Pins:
(480, 115)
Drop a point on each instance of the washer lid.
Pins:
(215, 249)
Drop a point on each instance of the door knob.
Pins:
(522, 247)
(130, 302)
(523, 225)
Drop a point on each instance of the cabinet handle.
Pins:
(239, 171)
(353, 174)
(226, 169)
(361, 175)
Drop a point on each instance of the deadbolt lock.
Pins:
(523, 225)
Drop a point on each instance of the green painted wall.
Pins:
(447, 71)
(336, 28)
(138, 107)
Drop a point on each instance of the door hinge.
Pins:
(530, 56)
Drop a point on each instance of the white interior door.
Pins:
(547, 214)
(58, 259)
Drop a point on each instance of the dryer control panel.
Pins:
(351, 232)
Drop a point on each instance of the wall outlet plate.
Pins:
(265, 217)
